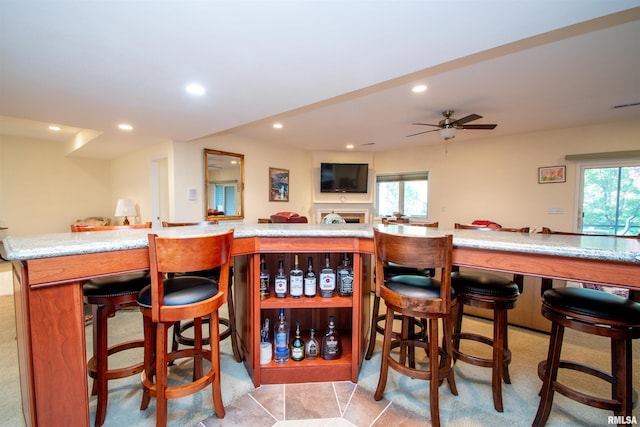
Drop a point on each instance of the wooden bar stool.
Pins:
(166, 301)
(229, 331)
(592, 312)
(421, 297)
(391, 269)
(495, 293)
(107, 295)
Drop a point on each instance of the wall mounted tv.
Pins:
(344, 177)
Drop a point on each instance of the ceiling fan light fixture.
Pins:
(447, 132)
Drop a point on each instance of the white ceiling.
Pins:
(333, 72)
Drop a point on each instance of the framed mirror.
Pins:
(223, 185)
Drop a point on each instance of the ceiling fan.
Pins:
(448, 126)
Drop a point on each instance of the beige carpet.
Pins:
(472, 407)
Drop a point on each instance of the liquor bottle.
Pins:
(281, 339)
(264, 280)
(310, 281)
(345, 278)
(297, 346)
(327, 279)
(280, 281)
(312, 347)
(296, 280)
(331, 345)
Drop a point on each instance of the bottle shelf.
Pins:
(306, 302)
(310, 312)
(317, 370)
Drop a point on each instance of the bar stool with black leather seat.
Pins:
(229, 331)
(166, 301)
(592, 312)
(498, 294)
(391, 269)
(421, 297)
(106, 295)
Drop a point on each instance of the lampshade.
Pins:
(447, 132)
(125, 208)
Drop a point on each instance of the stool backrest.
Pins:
(418, 224)
(416, 251)
(76, 228)
(183, 224)
(177, 254)
(547, 230)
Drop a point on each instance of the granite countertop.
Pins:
(61, 244)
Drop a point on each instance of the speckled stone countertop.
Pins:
(61, 244)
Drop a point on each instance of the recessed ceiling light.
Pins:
(54, 128)
(124, 126)
(277, 126)
(195, 89)
(419, 88)
(349, 146)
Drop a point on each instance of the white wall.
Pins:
(496, 179)
(131, 179)
(258, 158)
(42, 191)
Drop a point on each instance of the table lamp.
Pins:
(125, 208)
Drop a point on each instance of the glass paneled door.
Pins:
(610, 198)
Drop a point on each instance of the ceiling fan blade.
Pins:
(487, 126)
(426, 124)
(420, 133)
(466, 119)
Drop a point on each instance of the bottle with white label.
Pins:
(297, 346)
(345, 278)
(327, 279)
(296, 280)
(280, 281)
(310, 281)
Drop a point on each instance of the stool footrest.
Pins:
(114, 374)
(578, 396)
(475, 360)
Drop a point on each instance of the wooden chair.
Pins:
(592, 312)
(498, 294)
(179, 329)
(416, 296)
(106, 295)
(166, 301)
(390, 270)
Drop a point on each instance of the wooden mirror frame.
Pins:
(208, 156)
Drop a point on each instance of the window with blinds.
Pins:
(406, 193)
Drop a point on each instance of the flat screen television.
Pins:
(344, 177)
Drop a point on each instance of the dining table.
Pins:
(49, 270)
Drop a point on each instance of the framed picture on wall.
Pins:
(552, 174)
(278, 185)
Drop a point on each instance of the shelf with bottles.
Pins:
(282, 271)
(319, 368)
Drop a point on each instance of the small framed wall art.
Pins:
(552, 174)
(278, 185)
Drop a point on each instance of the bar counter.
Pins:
(49, 271)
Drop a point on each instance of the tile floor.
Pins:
(333, 404)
